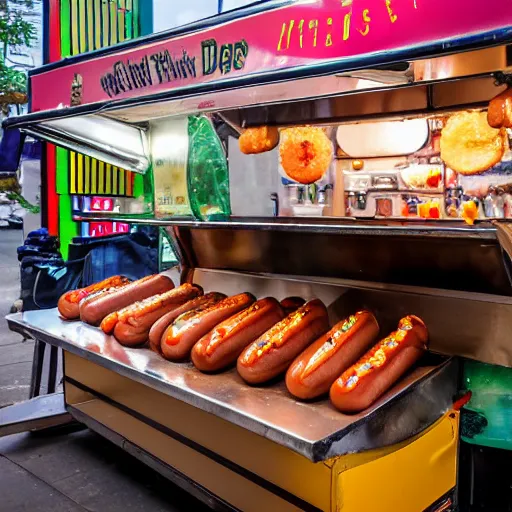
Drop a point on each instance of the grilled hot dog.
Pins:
(94, 311)
(157, 330)
(367, 380)
(272, 353)
(291, 304)
(314, 371)
(131, 325)
(224, 343)
(189, 328)
(68, 304)
(499, 113)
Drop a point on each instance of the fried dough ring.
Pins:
(306, 153)
(469, 145)
(258, 140)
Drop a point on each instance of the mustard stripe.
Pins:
(101, 178)
(82, 28)
(94, 176)
(115, 171)
(97, 24)
(90, 26)
(121, 21)
(122, 182)
(72, 172)
(75, 49)
(113, 23)
(87, 166)
(108, 175)
(80, 167)
(104, 15)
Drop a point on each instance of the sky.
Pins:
(31, 57)
(166, 15)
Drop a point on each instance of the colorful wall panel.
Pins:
(89, 176)
(83, 26)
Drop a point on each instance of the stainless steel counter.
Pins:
(445, 229)
(315, 429)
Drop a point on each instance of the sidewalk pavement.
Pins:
(15, 352)
(65, 471)
(81, 472)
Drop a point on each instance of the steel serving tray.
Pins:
(314, 429)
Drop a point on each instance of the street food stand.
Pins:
(240, 224)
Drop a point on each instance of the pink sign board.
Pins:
(301, 34)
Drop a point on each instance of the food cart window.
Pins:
(382, 139)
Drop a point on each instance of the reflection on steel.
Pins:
(35, 414)
(107, 140)
(315, 430)
(396, 74)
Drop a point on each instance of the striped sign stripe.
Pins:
(88, 176)
(88, 25)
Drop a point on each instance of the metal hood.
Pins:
(316, 62)
(99, 137)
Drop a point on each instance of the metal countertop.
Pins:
(314, 429)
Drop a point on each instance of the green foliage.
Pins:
(15, 31)
(12, 80)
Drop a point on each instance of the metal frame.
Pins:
(37, 413)
(37, 369)
(182, 481)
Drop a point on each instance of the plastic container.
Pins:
(487, 417)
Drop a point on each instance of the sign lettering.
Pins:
(298, 35)
(162, 67)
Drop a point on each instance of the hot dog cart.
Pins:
(171, 108)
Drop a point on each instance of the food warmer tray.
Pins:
(314, 429)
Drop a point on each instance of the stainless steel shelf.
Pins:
(314, 429)
(438, 229)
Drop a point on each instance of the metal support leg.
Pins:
(37, 368)
(52, 373)
(37, 414)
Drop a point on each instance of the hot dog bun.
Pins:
(93, 312)
(189, 328)
(367, 380)
(132, 324)
(158, 328)
(272, 353)
(69, 302)
(221, 347)
(313, 372)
